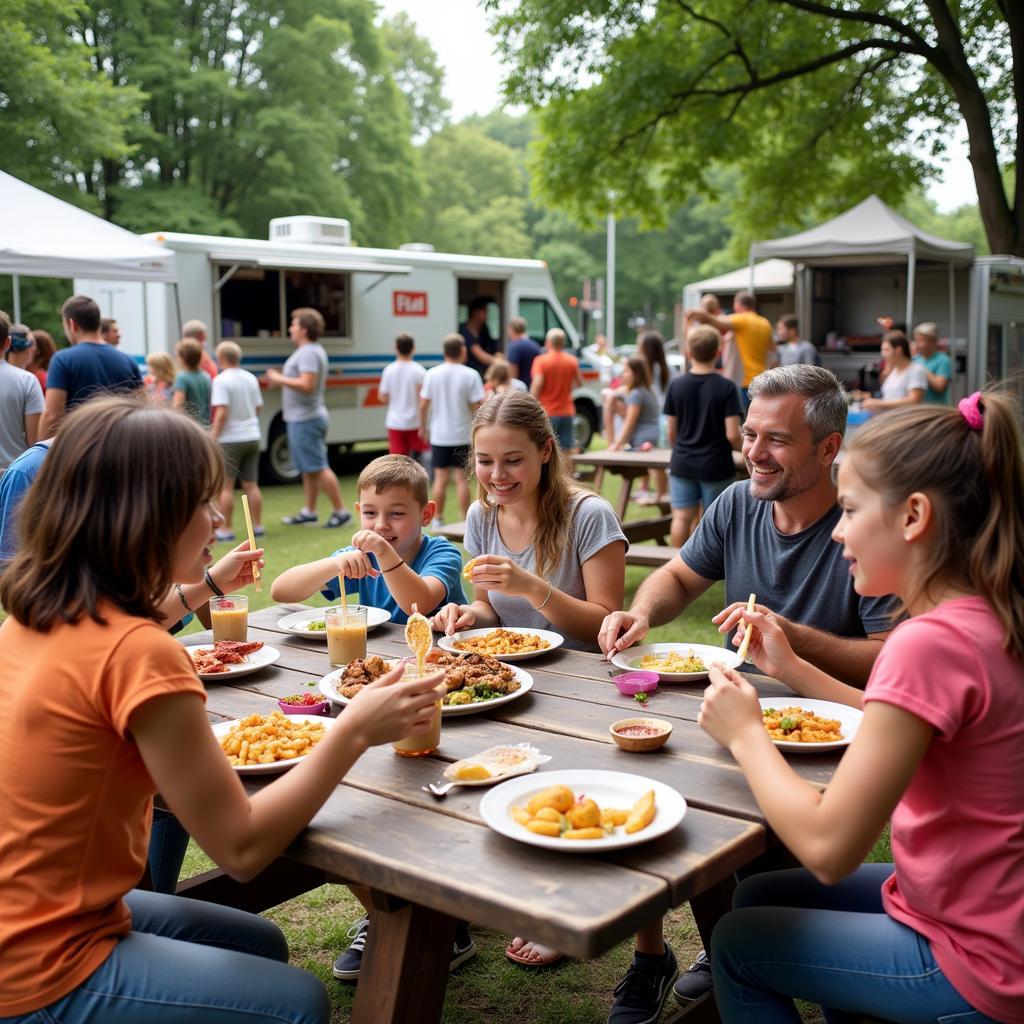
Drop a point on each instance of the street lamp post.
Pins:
(609, 324)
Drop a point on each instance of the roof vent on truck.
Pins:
(311, 230)
(416, 247)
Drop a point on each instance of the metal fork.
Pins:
(438, 790)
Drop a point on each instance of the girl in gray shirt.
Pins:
(547, 554)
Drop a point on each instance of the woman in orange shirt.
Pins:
(100, 709)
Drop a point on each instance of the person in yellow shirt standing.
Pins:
(752, 332)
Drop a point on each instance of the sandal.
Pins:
(539, 961)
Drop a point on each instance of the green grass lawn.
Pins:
(489, 988)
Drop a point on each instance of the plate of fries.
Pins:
(262, 744)
(506, 643)
(582, 810)
(800, 725)
(676, 663)
(310, 623)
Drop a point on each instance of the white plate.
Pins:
(609, 789)
(298, 622)
(447, 643)
(265, 656)
(329, 681)
(849, 720)
(629, 659)
(223, 728)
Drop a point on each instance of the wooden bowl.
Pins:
(641, 744)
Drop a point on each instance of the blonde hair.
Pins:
(395, 471)
(230, 352)
(161, 365)
(556, 336)
(557, 489)
(975, 480)
(499, 373)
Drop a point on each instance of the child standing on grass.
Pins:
(703, 410)
(191, 385)
(400, 385)
(931, 501)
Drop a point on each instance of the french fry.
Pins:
(642, 813)
(749, 630)
(613, 817)
(521, 814)
(467, 570)
(549, 814)
(256, 578)
(544, 828)
(584, 833)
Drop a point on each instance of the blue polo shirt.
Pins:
(437, 557)
(88, 369)
(521, 354)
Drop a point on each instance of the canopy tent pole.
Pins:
(177, 308)
(145, 316)
(952, 325)
(911, 268)
(750, 278)
(16, 283)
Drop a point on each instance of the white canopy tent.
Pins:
(41, 236)
(870, 233)
(769, 276)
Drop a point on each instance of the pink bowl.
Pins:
(632, 683)
(321, 707)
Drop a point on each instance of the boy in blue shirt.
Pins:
(390, 563)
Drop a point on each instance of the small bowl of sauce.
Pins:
(640, 735)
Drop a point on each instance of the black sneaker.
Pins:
(338, 519)
(695, 982)
(299, 519)
(346, 967)
(641, 994)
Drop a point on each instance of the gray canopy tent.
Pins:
(870, 233)
(42, 236)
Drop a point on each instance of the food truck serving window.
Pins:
(329, 293)
(250, 303)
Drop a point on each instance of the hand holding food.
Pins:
(234, 570)
(453, 618)
(392, 707)
(354, 565)
(621, 630)
(555, 812)
(369, 541)
(730, 709)
(419, 638)
(493, 572)
(770, 649)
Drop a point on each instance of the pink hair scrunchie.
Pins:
(970, 408)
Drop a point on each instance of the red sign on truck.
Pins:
(409, 303)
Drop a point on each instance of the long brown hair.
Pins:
(119, 486)
(557, 489)
(641, 372)
(975, 480)
(652, 351)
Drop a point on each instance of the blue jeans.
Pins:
(185, 961)
(562, 426)
(788, 936)
(168, 842)
(686, 493)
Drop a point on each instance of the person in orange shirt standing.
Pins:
(555, 374)
(752, 333)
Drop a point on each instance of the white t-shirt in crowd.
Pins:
(451, 388)
(239, 390)
(900, 383)
(400, 383)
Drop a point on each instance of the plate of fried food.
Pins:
(811, 726)
(260, 744)
(311, 623)
(475, 683)
(230, 658)
(582, 811)
(506, 643)
(676, 663)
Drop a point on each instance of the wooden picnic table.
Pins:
(429, 863)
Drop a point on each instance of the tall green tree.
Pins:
(816, 103)
(417, 73)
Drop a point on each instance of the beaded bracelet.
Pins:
(181, 598)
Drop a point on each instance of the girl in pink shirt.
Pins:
(931, 503)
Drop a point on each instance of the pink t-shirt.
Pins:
(958, 831)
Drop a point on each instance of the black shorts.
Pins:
(445, 456)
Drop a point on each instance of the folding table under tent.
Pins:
(870, 233)
(42, 236)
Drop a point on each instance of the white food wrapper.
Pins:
(499, 762)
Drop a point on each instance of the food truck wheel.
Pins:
(276, 466)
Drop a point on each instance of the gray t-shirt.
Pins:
(295, 406)
(791, 354)
(20, 396)
(648, 426)
(802, 576)
(594, 526)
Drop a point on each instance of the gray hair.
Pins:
(825, 394)
(193, 328)
(928, 329)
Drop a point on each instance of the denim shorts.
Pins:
(563, 428)
(690, 493)
(307, 444)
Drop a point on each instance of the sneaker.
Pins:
(641, 994)
(299, 518)
(346, 967)
(338, 519)
(695, 982)
(223, 535)
(258, 531)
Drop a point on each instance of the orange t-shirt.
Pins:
(559, 369)
(754, 341)
(75, 795)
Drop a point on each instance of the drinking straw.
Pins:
(749, 630)
(252, 544)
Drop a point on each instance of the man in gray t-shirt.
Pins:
(772, 536)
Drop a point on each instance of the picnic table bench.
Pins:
(429, 863)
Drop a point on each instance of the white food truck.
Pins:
(244, 289)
